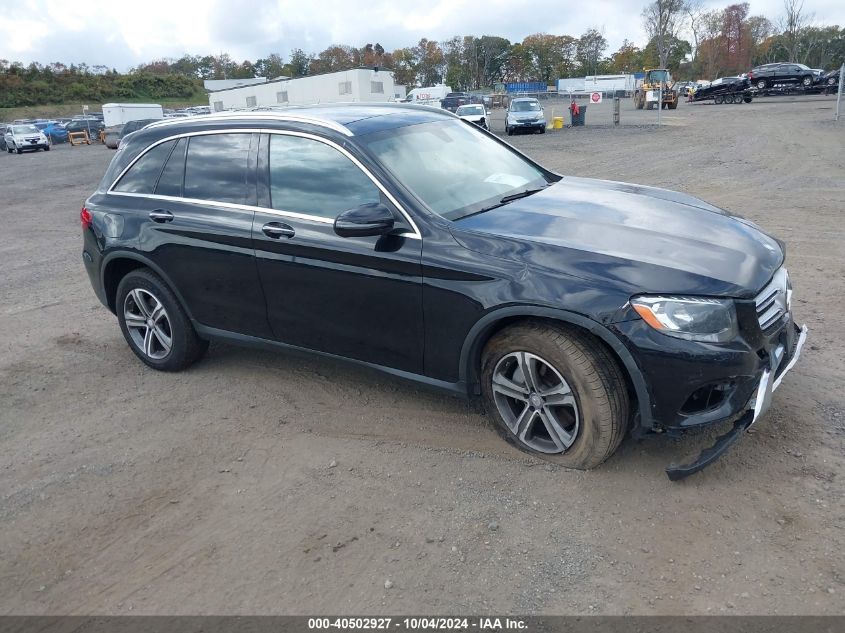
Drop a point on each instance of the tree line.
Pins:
(695, 42)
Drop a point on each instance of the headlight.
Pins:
(691, 318)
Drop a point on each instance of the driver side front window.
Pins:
(312, 178)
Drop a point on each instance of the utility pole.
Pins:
(839, 92)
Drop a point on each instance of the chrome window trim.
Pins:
(416, 235)
(227, 205)
(259, 114)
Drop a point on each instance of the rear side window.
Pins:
(216, 168)
(170, 181)
(310, 177)
(143, 175)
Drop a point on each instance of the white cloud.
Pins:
(121, 34)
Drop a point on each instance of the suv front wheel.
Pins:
(556, 393)
(154, 324)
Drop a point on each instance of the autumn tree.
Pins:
(792, 23)
(628, 59)
(663, 21)
(429, 62)
(590, 49)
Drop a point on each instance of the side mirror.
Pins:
(368, 219)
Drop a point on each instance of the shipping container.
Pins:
(527, 86)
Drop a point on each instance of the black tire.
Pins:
(18, 150)
(761, 84)
(508, 131)
(46, 148)
(718, 99)
(186, 348)
(593, 375)
(807, 81)
(542, 130)
(747, 99)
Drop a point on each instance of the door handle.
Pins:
(277, 230)
(161, 216)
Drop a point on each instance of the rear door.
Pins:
(194, 199)
(356, 297)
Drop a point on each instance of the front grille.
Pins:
(771, 302)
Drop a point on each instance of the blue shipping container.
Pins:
(527, 86)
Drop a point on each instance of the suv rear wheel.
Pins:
(154, 324)
(761, 84)
(555, 393)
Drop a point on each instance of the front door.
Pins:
(359, 298)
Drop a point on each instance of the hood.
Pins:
(526, 115)
(644, 239)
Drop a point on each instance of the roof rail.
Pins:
(265, 113)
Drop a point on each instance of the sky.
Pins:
(121, 34)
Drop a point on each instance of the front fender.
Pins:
(480, 332)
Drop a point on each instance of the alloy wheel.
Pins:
(147, 323)
(536, 402)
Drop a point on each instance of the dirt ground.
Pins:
(265, 483)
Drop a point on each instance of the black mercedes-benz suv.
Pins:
(403, 238)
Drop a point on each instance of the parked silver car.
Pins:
(25, 137)
(525, 113)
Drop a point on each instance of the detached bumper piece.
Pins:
(769, 382)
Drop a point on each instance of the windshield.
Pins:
(453, 168)
(658, 75)
(525, 106)
(24, 129)
(470, 109)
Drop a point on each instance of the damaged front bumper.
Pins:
(782, 360)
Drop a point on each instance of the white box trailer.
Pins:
(610, 83)
(430, 95)
(120, 113)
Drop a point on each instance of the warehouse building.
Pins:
(356, 85)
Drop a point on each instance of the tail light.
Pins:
(85, 218)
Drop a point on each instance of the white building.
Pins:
(357, 85)
(223, 84)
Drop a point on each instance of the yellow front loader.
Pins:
(648, 94)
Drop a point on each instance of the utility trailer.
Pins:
(726, 90)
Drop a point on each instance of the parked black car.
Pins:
(454, 100)
(91, 125)
(830, 78)
(403, 239)
(768, 75)
(725, 90)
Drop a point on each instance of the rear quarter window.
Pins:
(143, 175)
(216, 167)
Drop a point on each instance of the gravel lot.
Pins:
(267, 483)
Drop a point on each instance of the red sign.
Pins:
(595, 97)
